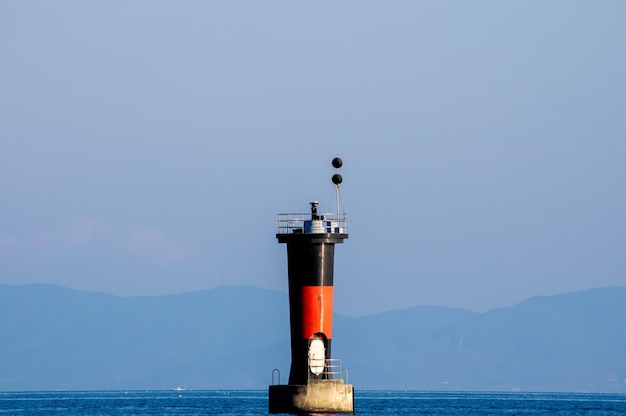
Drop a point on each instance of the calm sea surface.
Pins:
(255, 403)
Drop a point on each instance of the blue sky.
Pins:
(146, 147)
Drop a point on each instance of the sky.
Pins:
(147, 147)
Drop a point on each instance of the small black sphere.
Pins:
(337, 163)
(337, 179)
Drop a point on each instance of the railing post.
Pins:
(276, 370)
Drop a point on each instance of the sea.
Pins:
(379, 403)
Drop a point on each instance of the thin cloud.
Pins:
(8, 243)
(83, 230)
(79, 231)
(154, 242)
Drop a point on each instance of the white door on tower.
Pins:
(317, 355)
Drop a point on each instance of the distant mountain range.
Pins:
(231, 337)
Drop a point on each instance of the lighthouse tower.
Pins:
(316, 380)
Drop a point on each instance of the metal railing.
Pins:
(302, 223)
(333, 370)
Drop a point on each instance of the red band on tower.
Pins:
(317, 311)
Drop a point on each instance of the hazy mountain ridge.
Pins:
(233, 336)
(566, 342)
(60, 338)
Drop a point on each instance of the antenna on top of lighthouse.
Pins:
(337, 179)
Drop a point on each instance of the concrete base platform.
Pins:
(319, 396)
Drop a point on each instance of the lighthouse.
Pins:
(317, 381)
